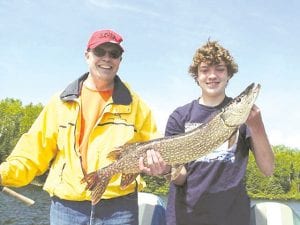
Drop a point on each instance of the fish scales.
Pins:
(187, 147)
(178, 149)
(200, 142)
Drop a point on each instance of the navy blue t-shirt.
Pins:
(214, 193)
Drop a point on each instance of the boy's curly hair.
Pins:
(212, 53)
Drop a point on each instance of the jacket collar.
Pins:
(121, 94)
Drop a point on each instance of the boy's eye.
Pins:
(220, 69)
(203, 70)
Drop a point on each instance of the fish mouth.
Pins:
(254, 88)
(237, 110)
(250, 93)
(257, 87)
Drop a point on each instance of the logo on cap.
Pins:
(104, 36)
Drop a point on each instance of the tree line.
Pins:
(284, 184)
(17, 118)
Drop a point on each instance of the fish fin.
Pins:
(175, 171)
(98, 191)
(233, 139)
(97, 182)
(114, 155)
(127, 179)
(91, 179)
(120, 151)
(168, 176)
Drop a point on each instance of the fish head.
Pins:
(238, 109)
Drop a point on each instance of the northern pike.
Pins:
(178, 149)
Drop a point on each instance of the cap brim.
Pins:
(112, 42)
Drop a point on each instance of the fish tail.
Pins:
(91, 179)
(97, 182)
(99, 189)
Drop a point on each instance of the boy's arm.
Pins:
(260, 145)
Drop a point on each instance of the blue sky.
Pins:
(42, 50)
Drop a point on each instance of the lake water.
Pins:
(13, 212)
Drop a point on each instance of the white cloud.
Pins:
(107, 4)
(279, 137)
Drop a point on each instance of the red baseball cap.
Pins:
(103, 36)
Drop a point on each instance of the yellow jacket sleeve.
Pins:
(33, 152)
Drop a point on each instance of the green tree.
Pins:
(283, 184)
(156, 185)
(16, 119)
(10, 113)
(30, 113)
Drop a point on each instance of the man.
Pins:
(75, 132)
(211, 190)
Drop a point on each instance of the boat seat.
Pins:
(271, 213)
(151, 209)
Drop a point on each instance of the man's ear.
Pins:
(86, 54)
(121, 58)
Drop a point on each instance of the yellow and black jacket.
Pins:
(53, 141)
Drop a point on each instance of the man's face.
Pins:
(212, 78)
(103, 61)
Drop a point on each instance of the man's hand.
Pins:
(156, 164)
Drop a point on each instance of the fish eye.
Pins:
(238, 99)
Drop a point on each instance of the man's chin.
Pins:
(105, 76)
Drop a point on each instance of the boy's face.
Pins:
(213, 79)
